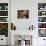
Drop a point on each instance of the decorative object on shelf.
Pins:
(40, 25)
(3, 19)
(13, 27)
(31, 27)
(3, 6)
(4, 26)
(4, 29)
(41, 6)
(41, 19)
(45, 7)
(0, 7)
(3, 13)
(23, 14)
(6, 7)
(42, 32)
(43, 13)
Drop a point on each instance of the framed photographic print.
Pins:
(21, 14)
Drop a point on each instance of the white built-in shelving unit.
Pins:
(42, 18)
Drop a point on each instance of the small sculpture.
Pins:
(13, 27)
(31, 27)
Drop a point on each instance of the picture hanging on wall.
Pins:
(21, 14)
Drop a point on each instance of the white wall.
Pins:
(23, 24)
(3, 1)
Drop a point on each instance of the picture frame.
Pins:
(23, 14)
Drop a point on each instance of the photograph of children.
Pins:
(23, 14)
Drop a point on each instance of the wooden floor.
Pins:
(3, 45)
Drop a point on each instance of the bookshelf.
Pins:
(4, 19)
(42, 19)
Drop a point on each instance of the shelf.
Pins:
(41, 19)
(3, 16)
(3, 10)
(42, 16)
(41, 22)
(3, 22)
(4, 19)
(41, 28)
(41, 10)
